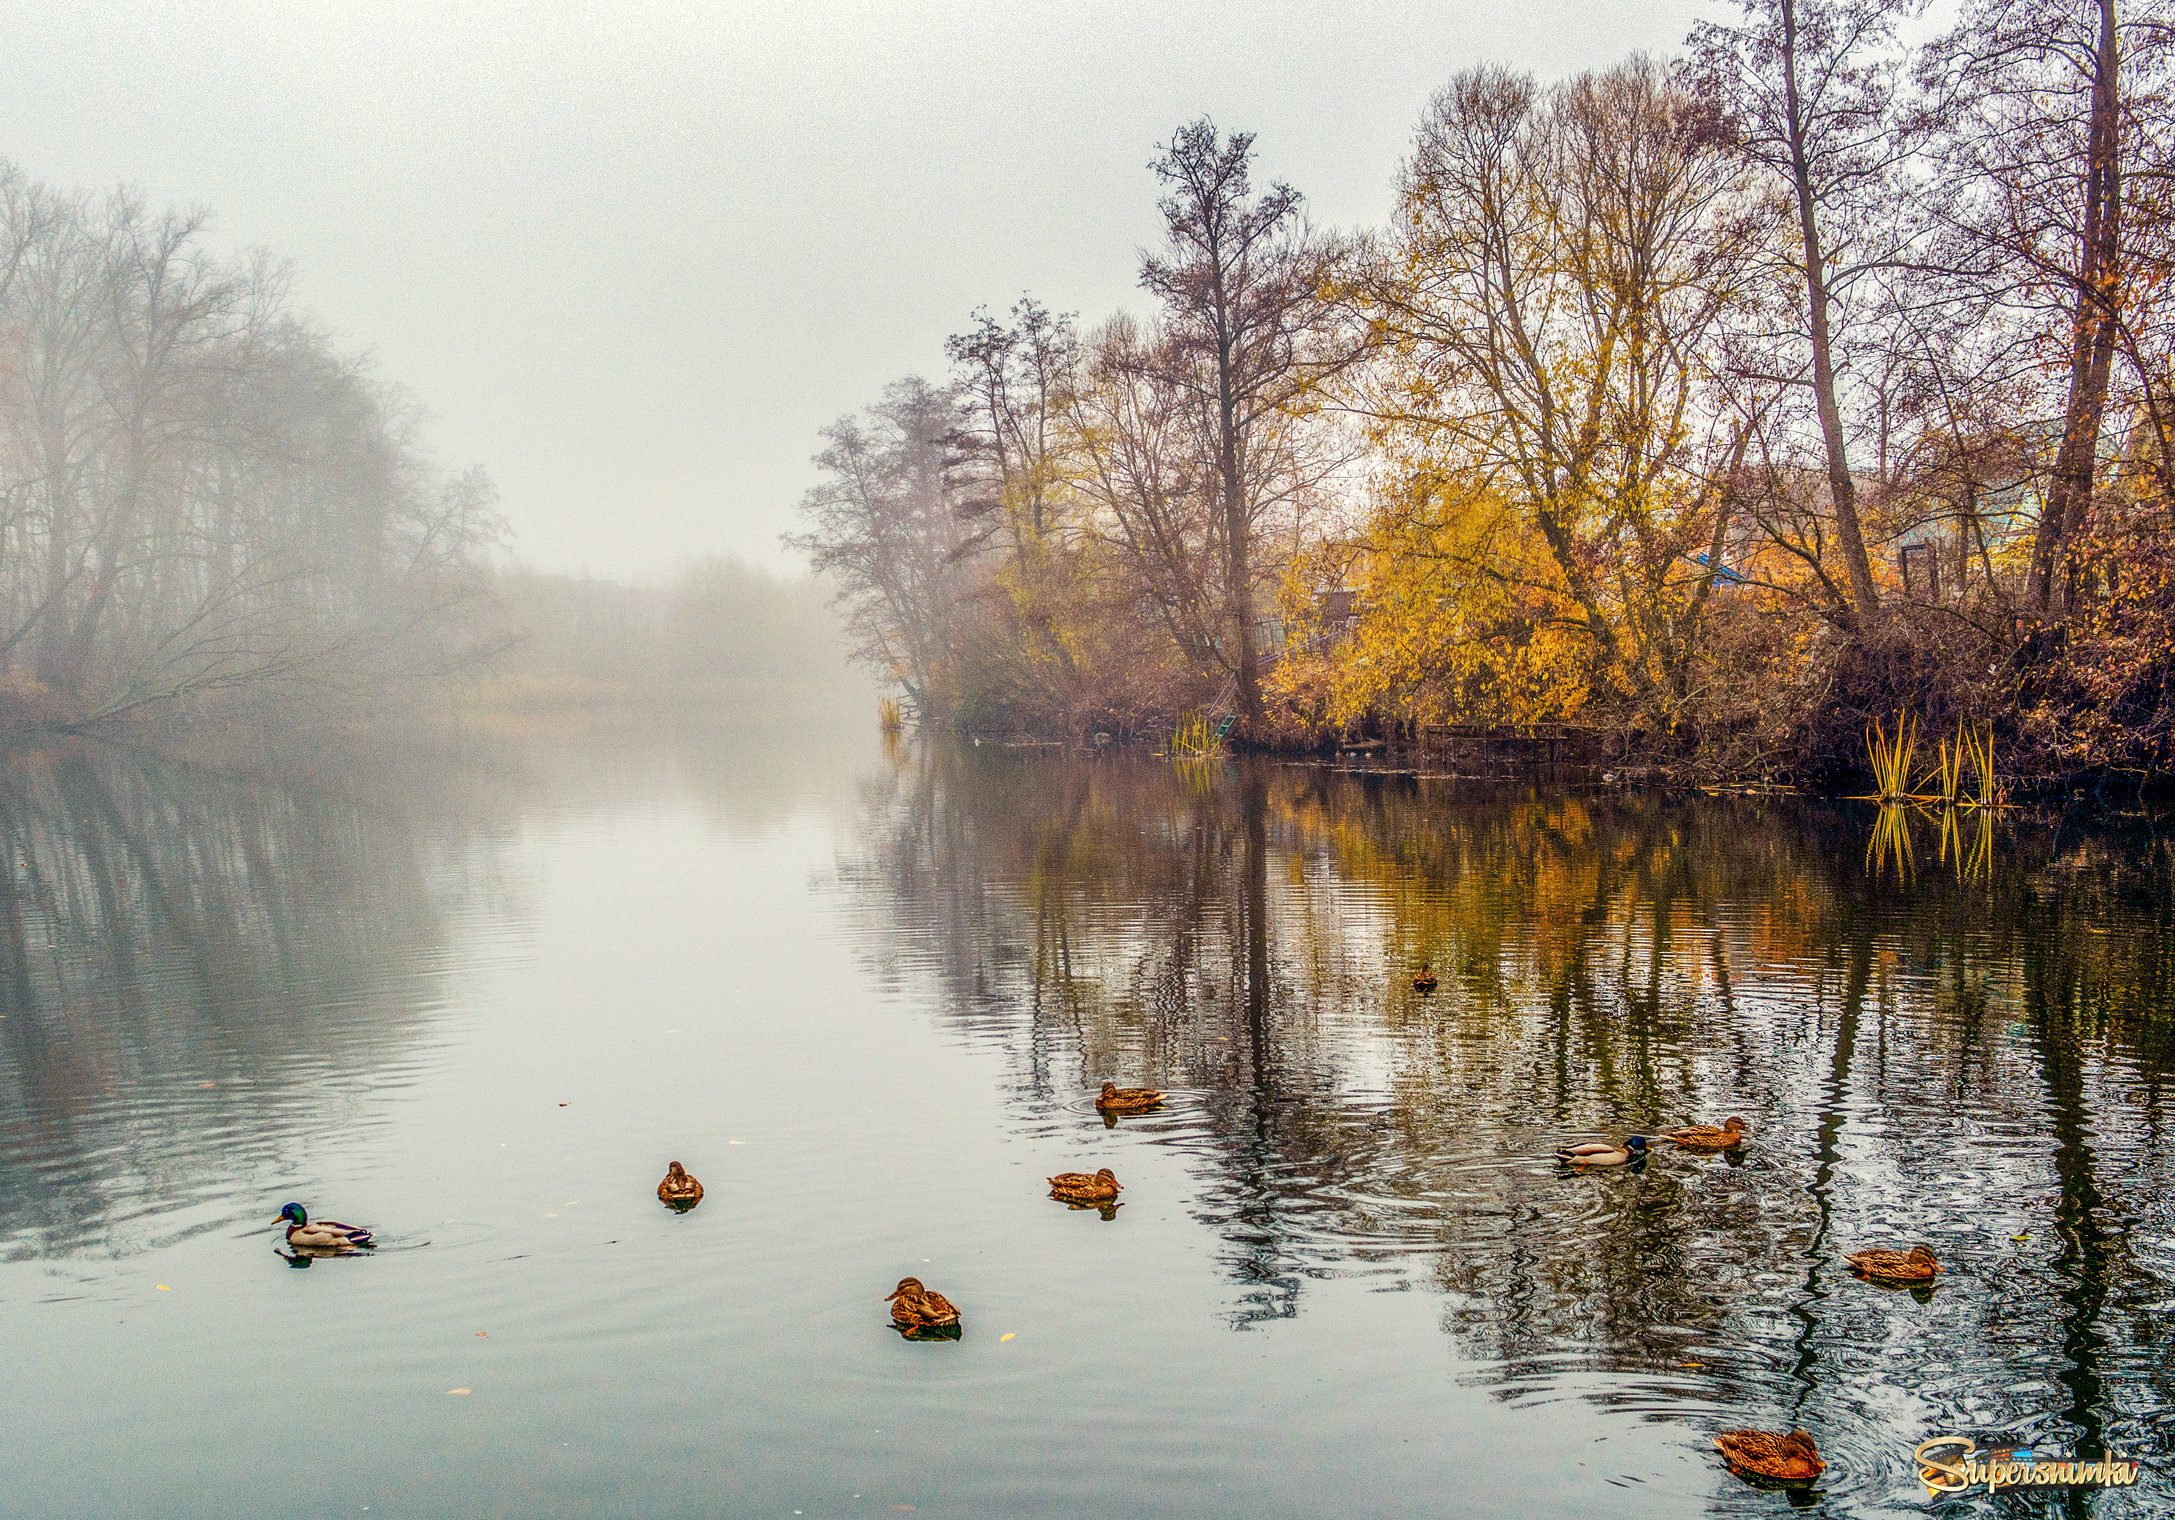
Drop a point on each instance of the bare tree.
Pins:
(196, 493)
(2029, 97)
(1813, 86)
(884, 523)
(1245, 321)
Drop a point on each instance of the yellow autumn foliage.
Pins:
(1463, 618)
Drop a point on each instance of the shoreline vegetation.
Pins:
(1705, 412)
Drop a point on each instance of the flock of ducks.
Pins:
(919, 1312)
(1790, 1459)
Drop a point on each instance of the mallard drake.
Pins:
(1705, 1137)
(679, 1189)
(1601, 1153)
(1079, 1187)
(1127, 1100)
(1913, 1266)
(1784, 1459)
(307, 1234)
(1424, 979)
(914, 1307)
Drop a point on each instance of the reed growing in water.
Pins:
(1891, 758)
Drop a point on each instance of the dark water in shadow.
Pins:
(867, 997)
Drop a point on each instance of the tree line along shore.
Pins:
(1724, 404)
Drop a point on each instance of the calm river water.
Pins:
(865, 996)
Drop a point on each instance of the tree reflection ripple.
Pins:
(1977, 1062)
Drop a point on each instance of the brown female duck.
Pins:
(1128, 1100)
(1913, 1266)
(1424, 979)
(1782, 1459)
(914, 1307)
(679, 1189)
(1079, 1187)
(1706, 1137)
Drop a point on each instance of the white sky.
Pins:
(632, 255)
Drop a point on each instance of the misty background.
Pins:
(631, 258)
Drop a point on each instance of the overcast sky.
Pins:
(631, 256)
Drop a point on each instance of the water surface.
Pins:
(865, 997)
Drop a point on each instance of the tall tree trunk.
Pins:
(54, 646)
(1841, 487)
(2092, 341)
(1236, 534)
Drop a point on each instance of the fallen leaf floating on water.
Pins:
(563, 1105)
(164, 1289)
(459, 1390)
(483, 1332)
(1007, 1335)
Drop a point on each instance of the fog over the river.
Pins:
(632, 257)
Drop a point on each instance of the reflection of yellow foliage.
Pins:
(1464, 619)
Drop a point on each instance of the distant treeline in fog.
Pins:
(721, 635)
(202, 499)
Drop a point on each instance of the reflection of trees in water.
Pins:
(1955, 1061)
(191, 968)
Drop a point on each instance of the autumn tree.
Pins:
(1546, 309)
(1015, 380)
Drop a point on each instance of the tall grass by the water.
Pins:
(1197, 735)
(1969, 759)
(1980, 749)
(1971, 756)
(1891, 757)
(889, 716)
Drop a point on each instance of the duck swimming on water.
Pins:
(322, 1235)
(1706, 1137)
(914, 1307)
(1602, 1153)
(1080, 1188)
(679, 1189)
(1916, 1265)
(1127, 1100)
(1762, 1453)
